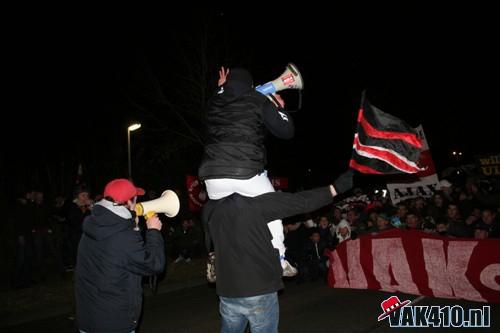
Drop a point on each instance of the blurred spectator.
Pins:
(420, 206)
(187, 240)
(429, 227)
(437, 207)
(446, 189)
(354, 219)
(295, 236)
(343, 232)
(23, 224)
(324, 230)
(398, 220)
(337, 216)
(371, 223)
(46, 252)
(383, 222)
(481, 231)
(456, 225)
(442, 227)
(79, 209)
(58, 224)
(313, 263)
(489, 218)
(413, 221)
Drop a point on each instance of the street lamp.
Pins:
(131, 128)
(457, 155)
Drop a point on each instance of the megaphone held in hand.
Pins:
(290, 79)
(168, 203)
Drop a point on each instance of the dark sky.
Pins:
(436, 68)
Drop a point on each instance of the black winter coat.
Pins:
(238, 119)
(112, 258)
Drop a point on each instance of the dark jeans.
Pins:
(311, 270)
(24, 261)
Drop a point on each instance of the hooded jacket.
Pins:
(246, 262)
(342, 224)
(112, 258)
(238, 118)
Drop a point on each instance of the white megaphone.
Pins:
(168, 203)
(290, 79)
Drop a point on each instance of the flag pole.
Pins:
(363, 96)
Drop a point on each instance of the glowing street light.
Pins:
(131, 128)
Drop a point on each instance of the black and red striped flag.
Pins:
(384, 144)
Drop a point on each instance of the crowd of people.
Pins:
(47, 236)
(455, 210)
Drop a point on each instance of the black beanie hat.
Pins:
(239, 79)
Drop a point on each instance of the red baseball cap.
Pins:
(121, 190)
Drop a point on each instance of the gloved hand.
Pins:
(344, 182)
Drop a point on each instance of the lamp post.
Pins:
(457, 155)
(131, 128)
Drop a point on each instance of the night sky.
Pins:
(86, 84)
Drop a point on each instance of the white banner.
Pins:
(424, 188)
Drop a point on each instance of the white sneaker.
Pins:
(179, 259)
(288, 269)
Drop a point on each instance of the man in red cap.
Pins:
(112, 259)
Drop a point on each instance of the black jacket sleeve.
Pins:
(279, 205)
(278, 121)
(147, 258)
(204, 221)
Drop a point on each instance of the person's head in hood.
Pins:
(236, 81)
(343, 230)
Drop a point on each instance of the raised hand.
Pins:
(223, 73)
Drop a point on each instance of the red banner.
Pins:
(196, 193)
(418, 263)
(279, 183)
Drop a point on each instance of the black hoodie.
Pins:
(237, 119)
(112, 258)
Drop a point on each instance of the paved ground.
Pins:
(54, 296)
(309, 307)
